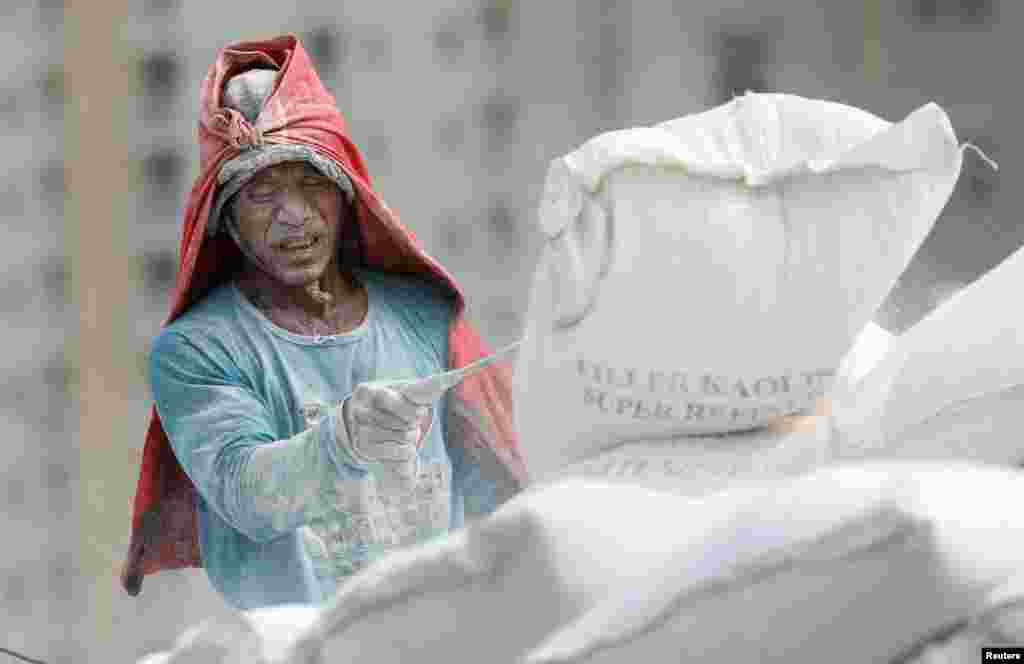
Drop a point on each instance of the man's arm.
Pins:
(223, 436)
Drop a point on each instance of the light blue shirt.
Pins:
(251, 412)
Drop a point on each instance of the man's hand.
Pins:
(385, 428)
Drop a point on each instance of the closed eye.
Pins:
(262, 193)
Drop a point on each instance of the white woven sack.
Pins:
(709, 273)
(850, 564)
(697, 465)
(862, 561)
(494, 590)
(953, 385)
(487, 593)
(258, 636)
(871, 345)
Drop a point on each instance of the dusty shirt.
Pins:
(251, 412)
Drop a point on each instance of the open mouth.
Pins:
(300, 245)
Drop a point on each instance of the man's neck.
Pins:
(299, 309)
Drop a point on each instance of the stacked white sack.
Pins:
(708, 274)
(950, 387)
(1001, 622)
(492, 591)
(850, 564)
(487, 593)
(871, 345)
(258, 636)
(859, 563)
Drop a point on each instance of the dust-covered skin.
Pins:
(287, 223)
(232, 382)
(303, 289)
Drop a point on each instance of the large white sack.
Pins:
(1001, 622)
(492, 591)
(258, 636)
(952, 385)
(697, 465)
(700, 464)
(850, 564)
(709, 273)
(876, 556)
(870, 347)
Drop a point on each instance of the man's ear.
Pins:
(581, 257)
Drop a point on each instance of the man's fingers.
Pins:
(388, 451)
(369, 416)
(388, 445)
(387, 425)
(374, 436)
(388, 400)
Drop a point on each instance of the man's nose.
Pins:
(294, 209)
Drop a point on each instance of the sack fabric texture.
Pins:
(708, 274)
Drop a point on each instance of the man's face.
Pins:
(288, 219)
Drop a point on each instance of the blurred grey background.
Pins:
(458, 106)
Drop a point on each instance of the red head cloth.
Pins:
(299, 111)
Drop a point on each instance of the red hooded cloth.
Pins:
(299, 111)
